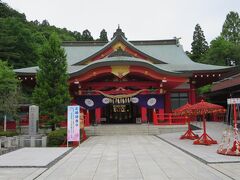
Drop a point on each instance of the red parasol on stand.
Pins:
(202, 108)
(183, 111)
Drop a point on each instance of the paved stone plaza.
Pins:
(207, 154)
(135, 157)
(31, 157)
(129, 157)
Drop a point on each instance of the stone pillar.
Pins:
(8, 142)
(33, 118)
(44, 141)
(21, 141)
(32, 141)
(15, 142)
(5, 123)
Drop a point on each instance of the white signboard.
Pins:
(233, 101)
(33, 118)
(73, 124)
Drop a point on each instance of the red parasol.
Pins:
(202, 108)
(183, 111)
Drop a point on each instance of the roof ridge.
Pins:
(135, 42)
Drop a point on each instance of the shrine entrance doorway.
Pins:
(122, 113)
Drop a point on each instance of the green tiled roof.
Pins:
(167, 55)
(178, 69)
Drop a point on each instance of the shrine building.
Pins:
(124, 81)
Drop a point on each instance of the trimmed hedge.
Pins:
(8, 133)
(57, 137)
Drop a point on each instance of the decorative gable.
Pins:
(119, 46)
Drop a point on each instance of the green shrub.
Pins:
(57, 137)
(8, 133)
(204, 89)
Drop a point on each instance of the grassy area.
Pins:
(8, 133)
(57, 137)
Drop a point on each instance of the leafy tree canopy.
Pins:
(86, 36)
(222, 52)
(9, 89)
(21, 40)
(6, 11)
(77, 35)
(103, 35)
(199, 44)
(51, 92)
(231, 28)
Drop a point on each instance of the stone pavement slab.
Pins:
(230, 169)
(32, 157)
(206, 154)
(20, 173)
(129, 157)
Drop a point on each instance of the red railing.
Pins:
(218, 117)
(168, 119)
(24, 120)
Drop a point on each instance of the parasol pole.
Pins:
(204, 128)
(204, 139)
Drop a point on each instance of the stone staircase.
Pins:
(132, 129)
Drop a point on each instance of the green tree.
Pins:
(199, 44)
(222, 52)
(77, 35)
(9, 90)
(231, 28)
(86, 36)
(21, 40)
(51, 92)
(6, 11)
(17, 43)
(103, 35)
(45, 23)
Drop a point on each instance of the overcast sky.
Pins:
(139, 19)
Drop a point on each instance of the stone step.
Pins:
(130, 129)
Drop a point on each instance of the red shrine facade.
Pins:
(125, 81)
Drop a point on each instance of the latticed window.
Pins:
(178, 99)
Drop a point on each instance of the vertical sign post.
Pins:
(234, 101)
(73, 124)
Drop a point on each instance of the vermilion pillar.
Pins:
(87, 120)
(192, 94)
(155, 121)
(144, 114)
(167, 103)
(161, 114)
(98, 115)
